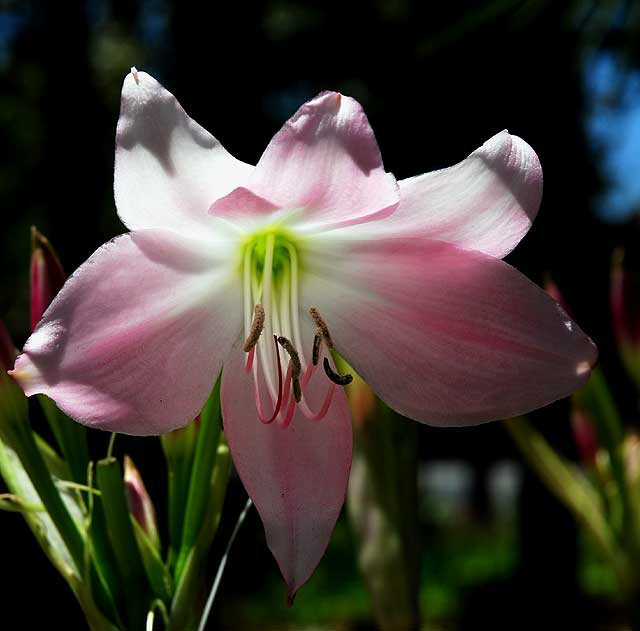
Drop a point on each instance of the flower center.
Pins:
(270, 268)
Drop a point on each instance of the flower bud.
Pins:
(585, 435)
(140, 504)
(554, 291)
(47, 275)
(625, 311)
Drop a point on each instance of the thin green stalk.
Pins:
(223, 564)
(179, 447)
(123, 541)
(199, 485)
(112, 440)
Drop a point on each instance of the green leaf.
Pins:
(71, 438)
(156, 570)
(571, 488)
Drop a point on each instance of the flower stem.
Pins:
(123, 541)
(199, 485)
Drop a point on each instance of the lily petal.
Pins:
(168, 169)
(324, 160)
(135, 339)
(446, 336)
(486, 202)
(297, 476)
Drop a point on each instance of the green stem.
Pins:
(186, 606)
(199, 485)
(112, 440)
(123, 542)
(179, 447)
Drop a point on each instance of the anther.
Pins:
(256, 328)
(340, 380)
(317, 343)
(296, 366)
(322, 327)
(297, 390)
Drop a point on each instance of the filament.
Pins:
(256, 386)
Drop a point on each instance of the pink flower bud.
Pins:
(625, 310)
(47, 275)
(585, 435)
(8, 351)
(554, 291)
(140, 504)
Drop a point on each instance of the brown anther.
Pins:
(317, 344)
(322, 326)
(297, 390)
(256, 328)
(296, 366)
(340, 380)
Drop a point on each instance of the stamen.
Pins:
(340, 380)
(290, 412)
(293, 353)
(249, 365)
(256, 328)
(278, 406)
(297, 390)
(296, 366)
(317, 344)
(322, 326)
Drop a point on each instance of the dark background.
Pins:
(436, 80)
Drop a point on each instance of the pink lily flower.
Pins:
(264, 269)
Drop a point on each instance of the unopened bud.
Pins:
(585, 435)
(47, 275)
(625, 311)
(140, 504)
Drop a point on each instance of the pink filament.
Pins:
(249, 364)
(322, 412)
(256, 388)
(290, 410)
(310, 414)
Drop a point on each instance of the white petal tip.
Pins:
(583, 368)
(134, 74)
